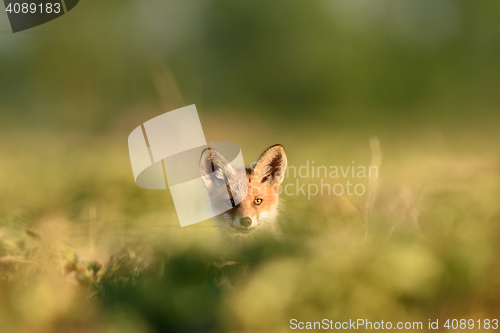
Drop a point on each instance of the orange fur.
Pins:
(256, 212)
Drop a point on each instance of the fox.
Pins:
(254, 203)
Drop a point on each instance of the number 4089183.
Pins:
(33, 8)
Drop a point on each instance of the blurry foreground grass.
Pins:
(82, 249)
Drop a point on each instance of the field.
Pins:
(83, 249)
(406, 88)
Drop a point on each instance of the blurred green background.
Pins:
(83, 249)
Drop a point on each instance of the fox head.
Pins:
(254, 198)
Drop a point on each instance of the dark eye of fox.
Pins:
(257, 202)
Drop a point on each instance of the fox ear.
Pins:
(271, 165)
(212, 165)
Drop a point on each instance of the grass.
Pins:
(83, 249)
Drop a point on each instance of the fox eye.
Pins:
(257, 202)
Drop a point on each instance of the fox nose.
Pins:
(246, 222)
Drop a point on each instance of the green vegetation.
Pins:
(83, 249)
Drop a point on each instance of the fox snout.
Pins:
(244, 217)
(239, 222)
(243, 225)
(246, 222)
(256, 194)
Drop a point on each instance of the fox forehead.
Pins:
(251, 189)
(254, 189)
(259, 190)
